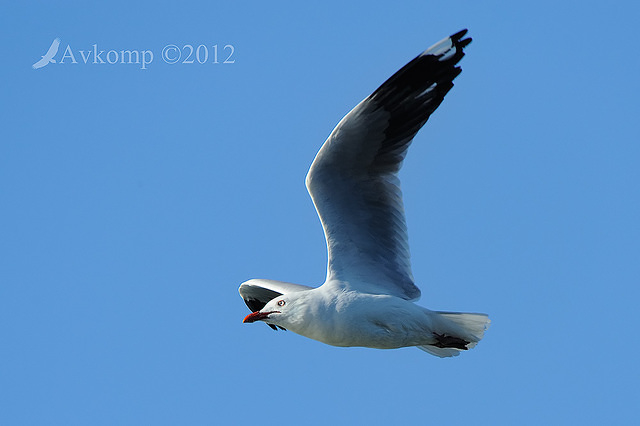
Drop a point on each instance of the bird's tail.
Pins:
(456, 332)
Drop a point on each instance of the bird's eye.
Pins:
(281, 302)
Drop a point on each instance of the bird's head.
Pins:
(285, 311)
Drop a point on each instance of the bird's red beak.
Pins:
(257, 316)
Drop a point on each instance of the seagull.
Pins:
(48, 57)
(368, 296)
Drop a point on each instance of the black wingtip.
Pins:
(457, 36)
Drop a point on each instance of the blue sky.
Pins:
(135, 201)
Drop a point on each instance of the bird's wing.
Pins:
(258, 292)
(53, 49)
(42, 62)
(354, 183)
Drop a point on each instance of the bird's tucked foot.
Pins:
(444, 341)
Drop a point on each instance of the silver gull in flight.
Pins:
(368, 296)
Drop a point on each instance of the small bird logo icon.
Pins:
(48, 57)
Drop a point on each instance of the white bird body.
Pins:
(339, 316)
(361, 319)
(367, 298)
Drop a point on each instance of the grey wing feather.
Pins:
(354, 183)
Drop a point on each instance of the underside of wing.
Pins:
(353, 180)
